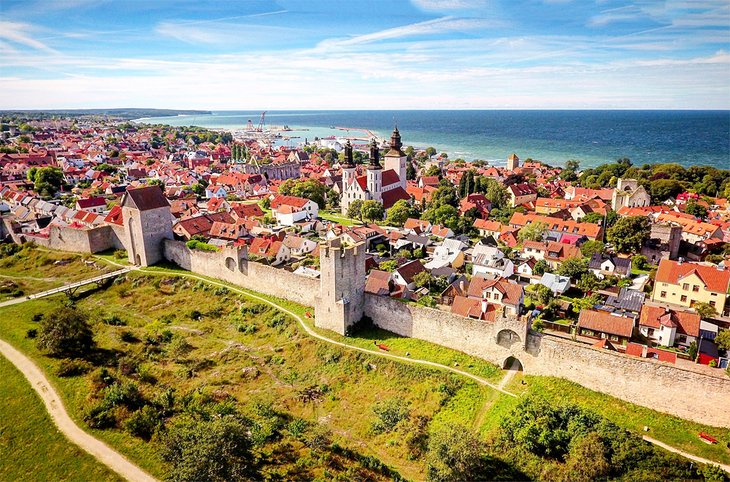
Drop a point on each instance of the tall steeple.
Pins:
(349, 162)
(374, 156)
(375, 174)
(395, 142)
(395, 158)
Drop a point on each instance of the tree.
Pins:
(588, 282)
(692, 350)
(640, 261)
(662, 189)
(310, 189)
(589, 248)
(542, 293)
(445, 215)
(47, 181)
(216, 450)
(198, 189)
(594, 218)
(157, 182)
(430, 151)
(444, 195)
(629, 234)
(399, 213)
(388, 266)
(66, 332)
(454, 454)
(695, 209)
(372, 210)
(410, 170)
(354, 210)
(496, 193)
(723, 340)
(433, 171)
(573, 267)
(532, 232)
(541, 267)
(705, 310)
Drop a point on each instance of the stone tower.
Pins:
(349, 172)
(375, 174)
(395, 158)
(513, 162)
(147, 222)
(339, 304)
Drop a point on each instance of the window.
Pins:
(682, 339)
(695, 288)
(683, 299)
(712, 303)
(650, 332)
(614, 338)
(663, 294)
(685, 286)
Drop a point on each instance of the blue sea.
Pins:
(553, 136)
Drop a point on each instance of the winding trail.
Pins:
(656, 442)
(103, 453)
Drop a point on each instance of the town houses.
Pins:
(619, 267)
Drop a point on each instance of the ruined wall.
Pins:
(230, 264)
(660, 386)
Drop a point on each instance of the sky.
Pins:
(365, 54)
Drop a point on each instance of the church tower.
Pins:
(395, 158)
(339, 304)
(349, 172)
(375, 174)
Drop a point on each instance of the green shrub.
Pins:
(100, 416)
(31, 333)
(201, 246)
(114, 320)
(73, 368)
(297, 428)
(122, 394)
(248, 329)
(120, 253)
(389, 412)
(143, 423)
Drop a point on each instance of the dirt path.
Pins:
(103, 453)
(656, 442)
(511, 372)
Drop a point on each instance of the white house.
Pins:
(289, 210)
(299, 246)
(449, 253)
(490, 260)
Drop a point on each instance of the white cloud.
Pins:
(23, 34)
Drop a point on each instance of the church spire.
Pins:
(374, 156)
(395, 141)
(349, 163)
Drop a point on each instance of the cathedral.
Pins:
(383, 184)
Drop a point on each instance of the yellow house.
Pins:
(687, 284)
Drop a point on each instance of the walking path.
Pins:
(105, 454)
(656, 442)
(511, 372)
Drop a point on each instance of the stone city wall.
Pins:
(656, 385)
(477, 338)
(230, 264)
(663, 387)
(86, 240)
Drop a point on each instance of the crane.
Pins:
(260, 128)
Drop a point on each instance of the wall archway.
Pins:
(512, 363)
(139, 260)
(507, 338)
(230, 264)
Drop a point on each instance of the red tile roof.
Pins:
(687, 323)
(605, 322)
(115, 216)
(673, 272)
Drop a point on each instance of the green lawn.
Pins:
(336, 217)
(33, 270)
(31, 448)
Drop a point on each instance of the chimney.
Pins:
(485, 304)
(680, 260)
(461, 286)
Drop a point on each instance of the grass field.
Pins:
(33, 270)
(246, 350)
(336, 217)
(31, 448)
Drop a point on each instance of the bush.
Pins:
(114, 320)
(99, 416)
(201, 246)
(31, 333)
(143, 423)
(122, 394)
(179, 347)
(120, 254)
(128, 337)
(73, 368)
(66, 332)
(389, 412)
(248, 329)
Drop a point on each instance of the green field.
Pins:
(32, 270)
(31, 448)
(239, 349)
